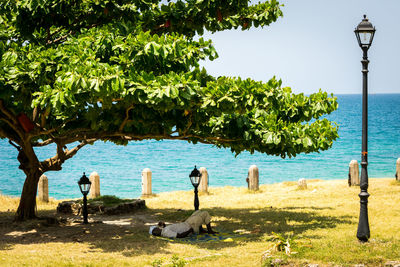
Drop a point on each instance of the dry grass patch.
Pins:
(322, 219)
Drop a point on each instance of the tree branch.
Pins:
(3, 133)
(206, 140)
(60, 151)
(8, 113)
(11, 120)
(42, 131)
(126, 118)
(59, 38)
(70, 33)
(55, 163)
(44, 143)
(14, 127)
(14, 145)
(8, 135)
(189, 124)
(73, 151)
(131, 136)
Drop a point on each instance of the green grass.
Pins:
(320, 223)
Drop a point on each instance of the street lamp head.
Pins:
(84, 184)
(195, 177)
(365, 33)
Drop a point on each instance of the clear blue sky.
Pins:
(313, 46)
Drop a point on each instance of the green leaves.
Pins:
(274, 120)
(53, 20)
(126, 70)
(10, 57)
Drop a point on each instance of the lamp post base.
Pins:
(363, 233)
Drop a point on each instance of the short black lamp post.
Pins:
(195, 177)
(84, 186)
(365, 34)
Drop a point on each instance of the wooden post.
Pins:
(146, 182)
(95, 186)
(203, 187)
(302, 183)
(398, 169)
(253, 178)
(354, 177)
(43, 188)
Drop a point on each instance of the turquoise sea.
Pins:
(171, 162)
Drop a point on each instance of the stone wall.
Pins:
(97, 207)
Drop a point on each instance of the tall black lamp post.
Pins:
(365, 34)
(84, 186)
(195, 177)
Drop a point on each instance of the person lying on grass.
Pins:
(193, 224)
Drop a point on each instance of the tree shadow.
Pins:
(308, 208)
(129, 235)
(262, 223)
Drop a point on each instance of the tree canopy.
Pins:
(87, 70)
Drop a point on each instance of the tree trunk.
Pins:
(27, 205)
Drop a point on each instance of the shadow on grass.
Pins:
(309, 208)
(132, 239)
(6, 219)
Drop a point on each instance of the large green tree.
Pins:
(76, 71)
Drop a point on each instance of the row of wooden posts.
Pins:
(252, 181)
(43, 187)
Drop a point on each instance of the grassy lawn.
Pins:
(322, 219)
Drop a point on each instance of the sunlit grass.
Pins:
(10, 204)
(323, 218)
